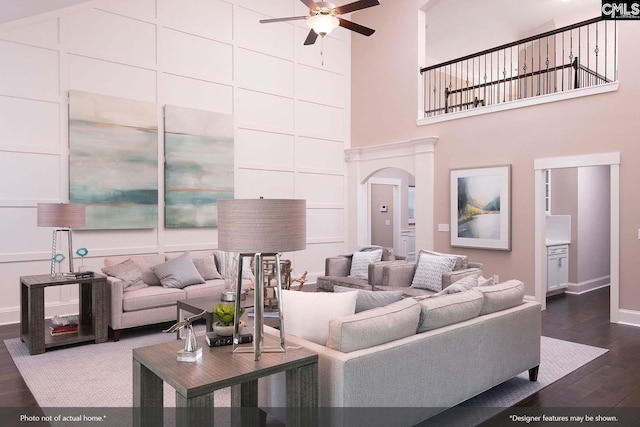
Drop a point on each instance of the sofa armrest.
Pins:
(398, 274)
(455, 275)
(475, 265)
(115, 291)
(376, 271)
(337, 266)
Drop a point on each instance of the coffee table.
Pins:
(220, 368)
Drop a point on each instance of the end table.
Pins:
(92, 318)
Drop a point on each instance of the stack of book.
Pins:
(71, 328)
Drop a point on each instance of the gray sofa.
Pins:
(425, 372)
(151, 303)
(337, 271)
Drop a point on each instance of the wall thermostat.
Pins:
(384, 208)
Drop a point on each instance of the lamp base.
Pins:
(230, 296)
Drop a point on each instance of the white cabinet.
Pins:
(557, 267)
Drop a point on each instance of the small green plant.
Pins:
(225, 313)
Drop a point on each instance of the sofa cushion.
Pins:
(206, 289)
(151, 297)
(449, 309)
(178, 272)
(501, 296)
(360, 263)
(307, 314)
(374, 327)
(366, 300)
(127, 271)
(428, 274)
(462, 261)
(144, 262)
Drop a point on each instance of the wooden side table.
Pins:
(92, 318)
(219, 368)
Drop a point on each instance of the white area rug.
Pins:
(100, 375)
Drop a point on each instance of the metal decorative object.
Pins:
(261, 228)
(191, 351)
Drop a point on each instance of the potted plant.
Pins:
(225, 314)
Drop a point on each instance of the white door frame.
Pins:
(604, 159)
(397, 209)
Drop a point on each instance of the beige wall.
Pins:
(381, 232)
(384, 109)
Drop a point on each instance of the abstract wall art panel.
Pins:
(481, 207)
(113, 160)
(199, 164)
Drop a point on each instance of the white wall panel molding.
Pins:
(271, 9)
(319, 86)
(207, 18)
(194, 93)
(41, 34)
(319, 171)
(22, 75)
(264, 73)
(143, 10)
(272, 39)
(194, 56)
(264, 129)
(263, 167)
(264, 110)
(320, 121)
(107, 36)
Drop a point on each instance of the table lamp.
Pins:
(258, 228)
(61, 216)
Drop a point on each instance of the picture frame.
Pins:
(481, 207)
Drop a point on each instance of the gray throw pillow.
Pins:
(360, 263)
(429, 271)
(366, 300)
(178, 272)
(127, 271)
(206, 266)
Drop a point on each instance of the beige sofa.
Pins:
(152, 303)
(369, 362)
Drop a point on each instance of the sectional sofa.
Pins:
(423, 355)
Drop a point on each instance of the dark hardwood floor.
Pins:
(608, 385)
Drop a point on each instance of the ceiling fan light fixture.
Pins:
(323, 24)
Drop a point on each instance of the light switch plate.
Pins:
(445, 227)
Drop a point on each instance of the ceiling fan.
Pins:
(323, 18)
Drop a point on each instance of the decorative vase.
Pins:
(224, 330)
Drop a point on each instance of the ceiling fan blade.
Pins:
(311, 38)
(290, 18)
(310, 4)
(365, 31)
(356, 5)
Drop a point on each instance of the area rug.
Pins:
(100, 375)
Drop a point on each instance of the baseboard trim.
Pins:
(588, 285)
(10, 315)
(629, 317)
(568, 291)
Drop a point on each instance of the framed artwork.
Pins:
(113, 160)
(481, 208)
(199, 165)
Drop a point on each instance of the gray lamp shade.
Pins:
(61, 215)
(262, 225)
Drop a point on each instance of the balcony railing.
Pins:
(575, 56)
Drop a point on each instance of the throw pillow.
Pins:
(307, 314)
(206, 266)
(461, 285)
(360, 263)
(462, 261)
(127, 271)
(178, 272)
(374, 327)
(429, 271)
(482, 281)
(366, 300)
